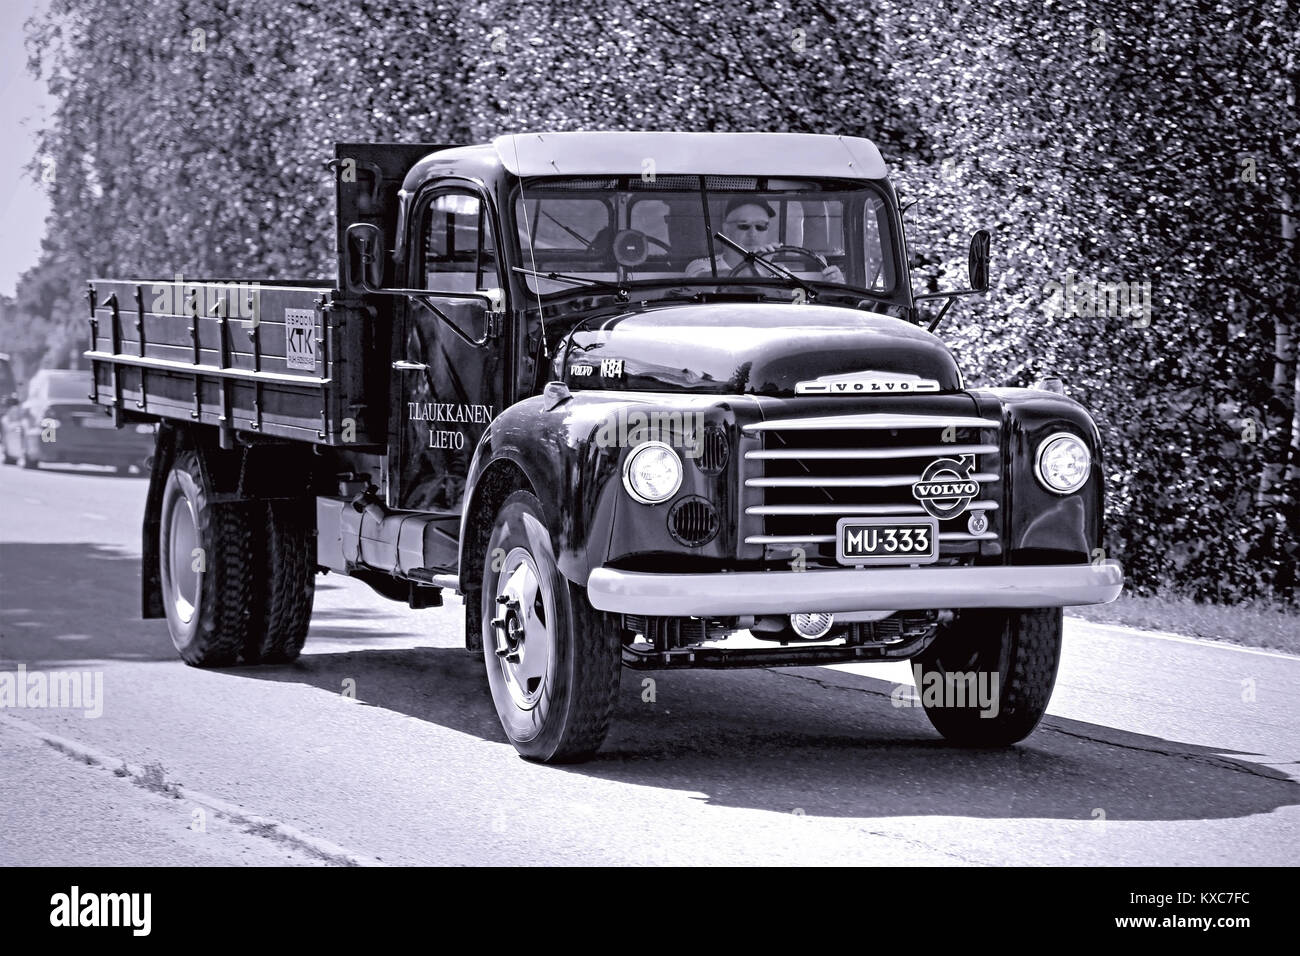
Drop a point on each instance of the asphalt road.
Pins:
(1156, 750)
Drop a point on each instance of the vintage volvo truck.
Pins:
(644, 399)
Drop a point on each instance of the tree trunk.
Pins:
(1280, 480)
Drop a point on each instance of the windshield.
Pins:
(626, 229)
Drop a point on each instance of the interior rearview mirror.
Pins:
(979, 260)
(364, 263)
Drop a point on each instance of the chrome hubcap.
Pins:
(522, 631)
(182, 581)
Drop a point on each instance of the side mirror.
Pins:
(364, 262)
(978, 264)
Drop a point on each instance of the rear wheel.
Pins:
(553, 662)
(289, 577)
(986, 681)
(208, 557)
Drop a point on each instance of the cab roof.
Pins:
(722, 154)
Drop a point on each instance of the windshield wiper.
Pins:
(804, 284)
(857, 290)
(573, 232)
(779, 271)
(617, 288)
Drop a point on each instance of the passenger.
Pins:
(748, 222)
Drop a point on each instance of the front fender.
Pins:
(1041, 525)
(571, 452)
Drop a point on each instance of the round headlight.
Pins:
(652, 472)
(1063, 463)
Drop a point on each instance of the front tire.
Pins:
(1019, 650)
(553, 662)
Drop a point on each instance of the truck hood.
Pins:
(756, 348)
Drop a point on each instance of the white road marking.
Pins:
(87, 754)
(1180, 639)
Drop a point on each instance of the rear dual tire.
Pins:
(237, 578)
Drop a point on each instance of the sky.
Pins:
(24, 106)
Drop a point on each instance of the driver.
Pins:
(748, 222)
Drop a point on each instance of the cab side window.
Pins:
(458, 245)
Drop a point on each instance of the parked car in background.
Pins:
(57, 422)
(8, 385)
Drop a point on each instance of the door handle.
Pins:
(402, 365)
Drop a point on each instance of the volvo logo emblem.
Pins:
(859, 383)
(946, 488)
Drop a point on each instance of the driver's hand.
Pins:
(833, 274)
(767, 247)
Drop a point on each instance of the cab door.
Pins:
(450, 358)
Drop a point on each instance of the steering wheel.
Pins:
(629, 245)
(776, 255)
(658, 242)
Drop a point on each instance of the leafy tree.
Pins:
(1101, 141)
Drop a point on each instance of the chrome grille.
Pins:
(810, 472)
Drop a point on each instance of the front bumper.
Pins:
(723, 594)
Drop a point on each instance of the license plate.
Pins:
(886, 541)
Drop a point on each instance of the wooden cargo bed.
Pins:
(281, 359)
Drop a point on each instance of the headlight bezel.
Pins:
(630, 460)
(1045, 445)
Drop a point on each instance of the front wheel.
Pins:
(986, 681)
(553, 662)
